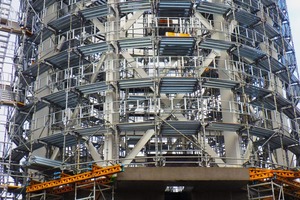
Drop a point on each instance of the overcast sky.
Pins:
(294, 14)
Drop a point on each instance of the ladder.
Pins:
(5, 6)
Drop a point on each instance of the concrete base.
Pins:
(199, 183)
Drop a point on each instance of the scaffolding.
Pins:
(150, 83)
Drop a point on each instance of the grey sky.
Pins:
(294, 14)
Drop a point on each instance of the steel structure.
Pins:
(150, 83)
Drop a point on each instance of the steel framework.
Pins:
(150, 83)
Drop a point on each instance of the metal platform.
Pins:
(295, 149)
(216, 44)
(136, 83)
(61, 140)
(94, 12)
(220, 126)
(283, 43)
(252, 5)
(269, 102)
(94, 48)
(176, 46)
(16, 155)
(135, 43)
(169, 8)
(175, 85)
(267, 3)
(176, 128)
(249, 52)
(258, 132)
(269, 62)
(61, 60)
(65, 23)
(32, 72)
(265, 28)
(213, 8)
(254, 91)
(289, 111)
(38, 5)
(44, 165)
(275, 142)
(93, 87)
(41, 35)
(91, 131)
(61, 98)
(219, 83)
(244, 18)
(137, 126)
(133, 6)
(29, 146)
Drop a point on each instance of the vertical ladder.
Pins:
(5, 10)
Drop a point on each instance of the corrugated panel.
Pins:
(138, 126)
(267, 29)
(213, 8)
(96, 130)
(268, 2)
(254, 91)
(294, 79)
(16, 156)
(177, 46)
(136, 83)
(282, 101)
(41, 162)
(178, 85)
(275, 142)
(295, 149)
(34, 69)
(174, 8)
(38, 5)
(219, 83)
(29, 146)
(94, 12)
(216, 44)
(184, 127)
(267, 102)
(283, 43)
(252, 5)
(244, 17)
(220, 126)
(59, 99)
(41, 34)
(60, 60)
(132, 6)
(289, 111)
(93, 87)
(274, 64)
(58, 140)
(95, 48)
(136, 43)
(260, 132)
(65, 23)
(249, 52)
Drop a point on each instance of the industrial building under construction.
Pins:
(152, 100)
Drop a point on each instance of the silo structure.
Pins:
(191, 99)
